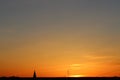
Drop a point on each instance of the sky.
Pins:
(55, 37)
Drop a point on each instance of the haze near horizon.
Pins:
(57, 36)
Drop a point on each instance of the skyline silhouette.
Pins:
(60, 78)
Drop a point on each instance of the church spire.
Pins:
(34, 75)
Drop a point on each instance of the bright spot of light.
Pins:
(77, 76)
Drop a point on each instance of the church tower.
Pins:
(34, 75)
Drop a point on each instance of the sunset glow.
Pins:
(77, 76)
(60, 38)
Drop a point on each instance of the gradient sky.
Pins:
(56, 36)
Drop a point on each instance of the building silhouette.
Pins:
(34, 75)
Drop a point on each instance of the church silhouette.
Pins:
(34, 75)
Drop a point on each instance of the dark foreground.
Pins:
(62, 78)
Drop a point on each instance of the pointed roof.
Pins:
(34, 75)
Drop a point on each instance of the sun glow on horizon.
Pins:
(77, 76)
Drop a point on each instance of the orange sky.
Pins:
(81, 37)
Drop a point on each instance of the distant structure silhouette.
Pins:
(34, 75)
(68, 73)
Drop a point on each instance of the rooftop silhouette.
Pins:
(34, 75)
